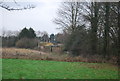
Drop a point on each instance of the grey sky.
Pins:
(40, 18)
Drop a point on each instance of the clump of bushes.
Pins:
(27, 43)
(27, 39)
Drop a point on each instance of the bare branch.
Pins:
(9, 8)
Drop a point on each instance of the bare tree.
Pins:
(39, 33)
(3, 32)
(118, 29)
(107, 29)
(10, 33)
(91, 14)
(9, 8)
(100, 20)
(69, 15)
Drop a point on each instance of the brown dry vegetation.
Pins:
(19, 53)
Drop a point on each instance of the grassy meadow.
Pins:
(39, 69)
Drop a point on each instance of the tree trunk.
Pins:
(118, 31)
(94, 27)
(106, 29)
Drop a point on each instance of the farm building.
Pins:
(49, 47)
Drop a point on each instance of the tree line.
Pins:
(90, 28)
(28, 38)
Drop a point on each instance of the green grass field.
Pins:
(36, 69)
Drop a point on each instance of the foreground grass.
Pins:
(34, 69)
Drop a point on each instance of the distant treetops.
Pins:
(27, 33)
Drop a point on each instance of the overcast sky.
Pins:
(40, 18)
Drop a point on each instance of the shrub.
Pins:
(26, 43)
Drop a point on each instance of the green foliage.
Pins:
(32, 33)
(34, 69)
(26, 43)
(27, 39)
(25, 33)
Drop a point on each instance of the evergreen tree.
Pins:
(31, 33)
(24, 33)
(52, 38)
